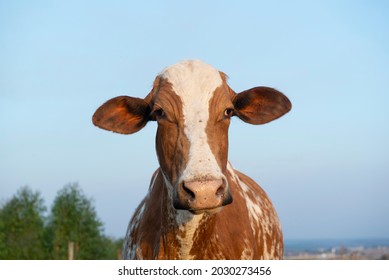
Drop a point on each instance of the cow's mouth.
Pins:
(209, 211)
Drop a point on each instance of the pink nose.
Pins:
(202, 195)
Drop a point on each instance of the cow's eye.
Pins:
(229, 112)
(159, 113)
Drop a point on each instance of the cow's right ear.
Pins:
(122, 114)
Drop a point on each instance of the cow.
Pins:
(198, 206)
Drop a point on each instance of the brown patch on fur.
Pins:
(218, 124)
(171, 143)
(269, 213)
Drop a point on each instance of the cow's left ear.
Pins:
(122, 114)
(261, 105)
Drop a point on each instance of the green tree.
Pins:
(113, 248)
(22, 226)
(74, 219)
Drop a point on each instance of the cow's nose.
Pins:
(202, 194)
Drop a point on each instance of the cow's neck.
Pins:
(189, 226)
(183, 229)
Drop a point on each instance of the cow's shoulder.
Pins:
(252, 201)
(143, 231)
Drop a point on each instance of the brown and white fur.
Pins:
(198, 206)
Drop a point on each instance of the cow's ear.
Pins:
(261, 105)
(122, 114)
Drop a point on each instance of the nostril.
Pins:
(189, 193)
(220, 191)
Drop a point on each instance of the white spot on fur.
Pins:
(188, 224)
(255, 212)
(247, 253)
(132, 249)
(261, 223)
(195, 82)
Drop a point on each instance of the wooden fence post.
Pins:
(71, 250)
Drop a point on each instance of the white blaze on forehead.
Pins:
(195, 82)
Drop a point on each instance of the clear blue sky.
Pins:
(325, 165)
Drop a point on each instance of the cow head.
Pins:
(193, 105)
